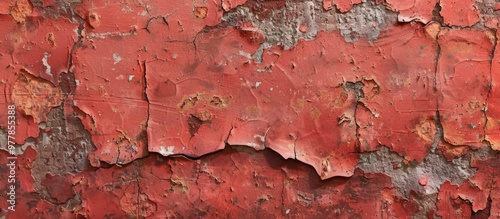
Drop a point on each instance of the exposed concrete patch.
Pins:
(282, 26)
(433, 170)
(58, 8)
(365, 20)
(406, 177)
(285, 26)
(62, 147)
(426, 205)
(489, 17)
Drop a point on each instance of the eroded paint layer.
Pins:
(249, 109)
(450, 205)
(459, 13)
(219, 97)
(33, 97)
(28, 201)
(464, 66)
(493, 110)
(261, 183)
(376, 72)
(413, 10)
(46, 42)
(110, 93)
(341, 5)
(398, 104)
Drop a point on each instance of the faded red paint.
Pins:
(459, 13)
(485, 180)
(227, 5)
(401, 112)
(150, 82)
(264, 184)
(493, 113)
(450, 205)
(59, 187)
(109, 91)
(413, 10)
(462, 116)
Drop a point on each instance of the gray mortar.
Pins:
(356, 87)
(438, 170)
(364, 21)
(278, 30)
(405, 178)
(485, 8)
(426, 204)
(63, 150)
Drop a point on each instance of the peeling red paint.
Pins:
(462, 13)
(450, 205)
(277, 188)
(493, 113)
(452, 151)
(35, 97)
(399, 97)
(341, 5)
(59, 188)
(462, 116)
(413, 10)
(238, 109)
(109, 91)
(485, 180)
(28, 201)
(230, 4)
(47, 43)
(475, 195)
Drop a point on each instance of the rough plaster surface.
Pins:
(249, 109)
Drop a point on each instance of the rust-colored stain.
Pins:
(249, 109)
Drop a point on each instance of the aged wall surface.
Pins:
(249, 109)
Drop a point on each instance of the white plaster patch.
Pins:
(117, 58)
(166, 151)
(46, 63)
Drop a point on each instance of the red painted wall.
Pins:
(249, 109)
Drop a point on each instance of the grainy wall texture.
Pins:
(249, 109)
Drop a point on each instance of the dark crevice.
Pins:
(75, 46)
(228, 135)
(490, 87)
(357, 89)
(295, 149)
(118, 161)
(138, 213)
(146, 126)
(437, 119)
(436, 14)
(194, 124)
(439, 132)
(483, 214)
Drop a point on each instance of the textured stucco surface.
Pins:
(250, 109)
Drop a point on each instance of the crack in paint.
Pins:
(439, 127)
(490, 87)
(257, 56)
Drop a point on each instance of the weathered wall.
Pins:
(245, 109)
